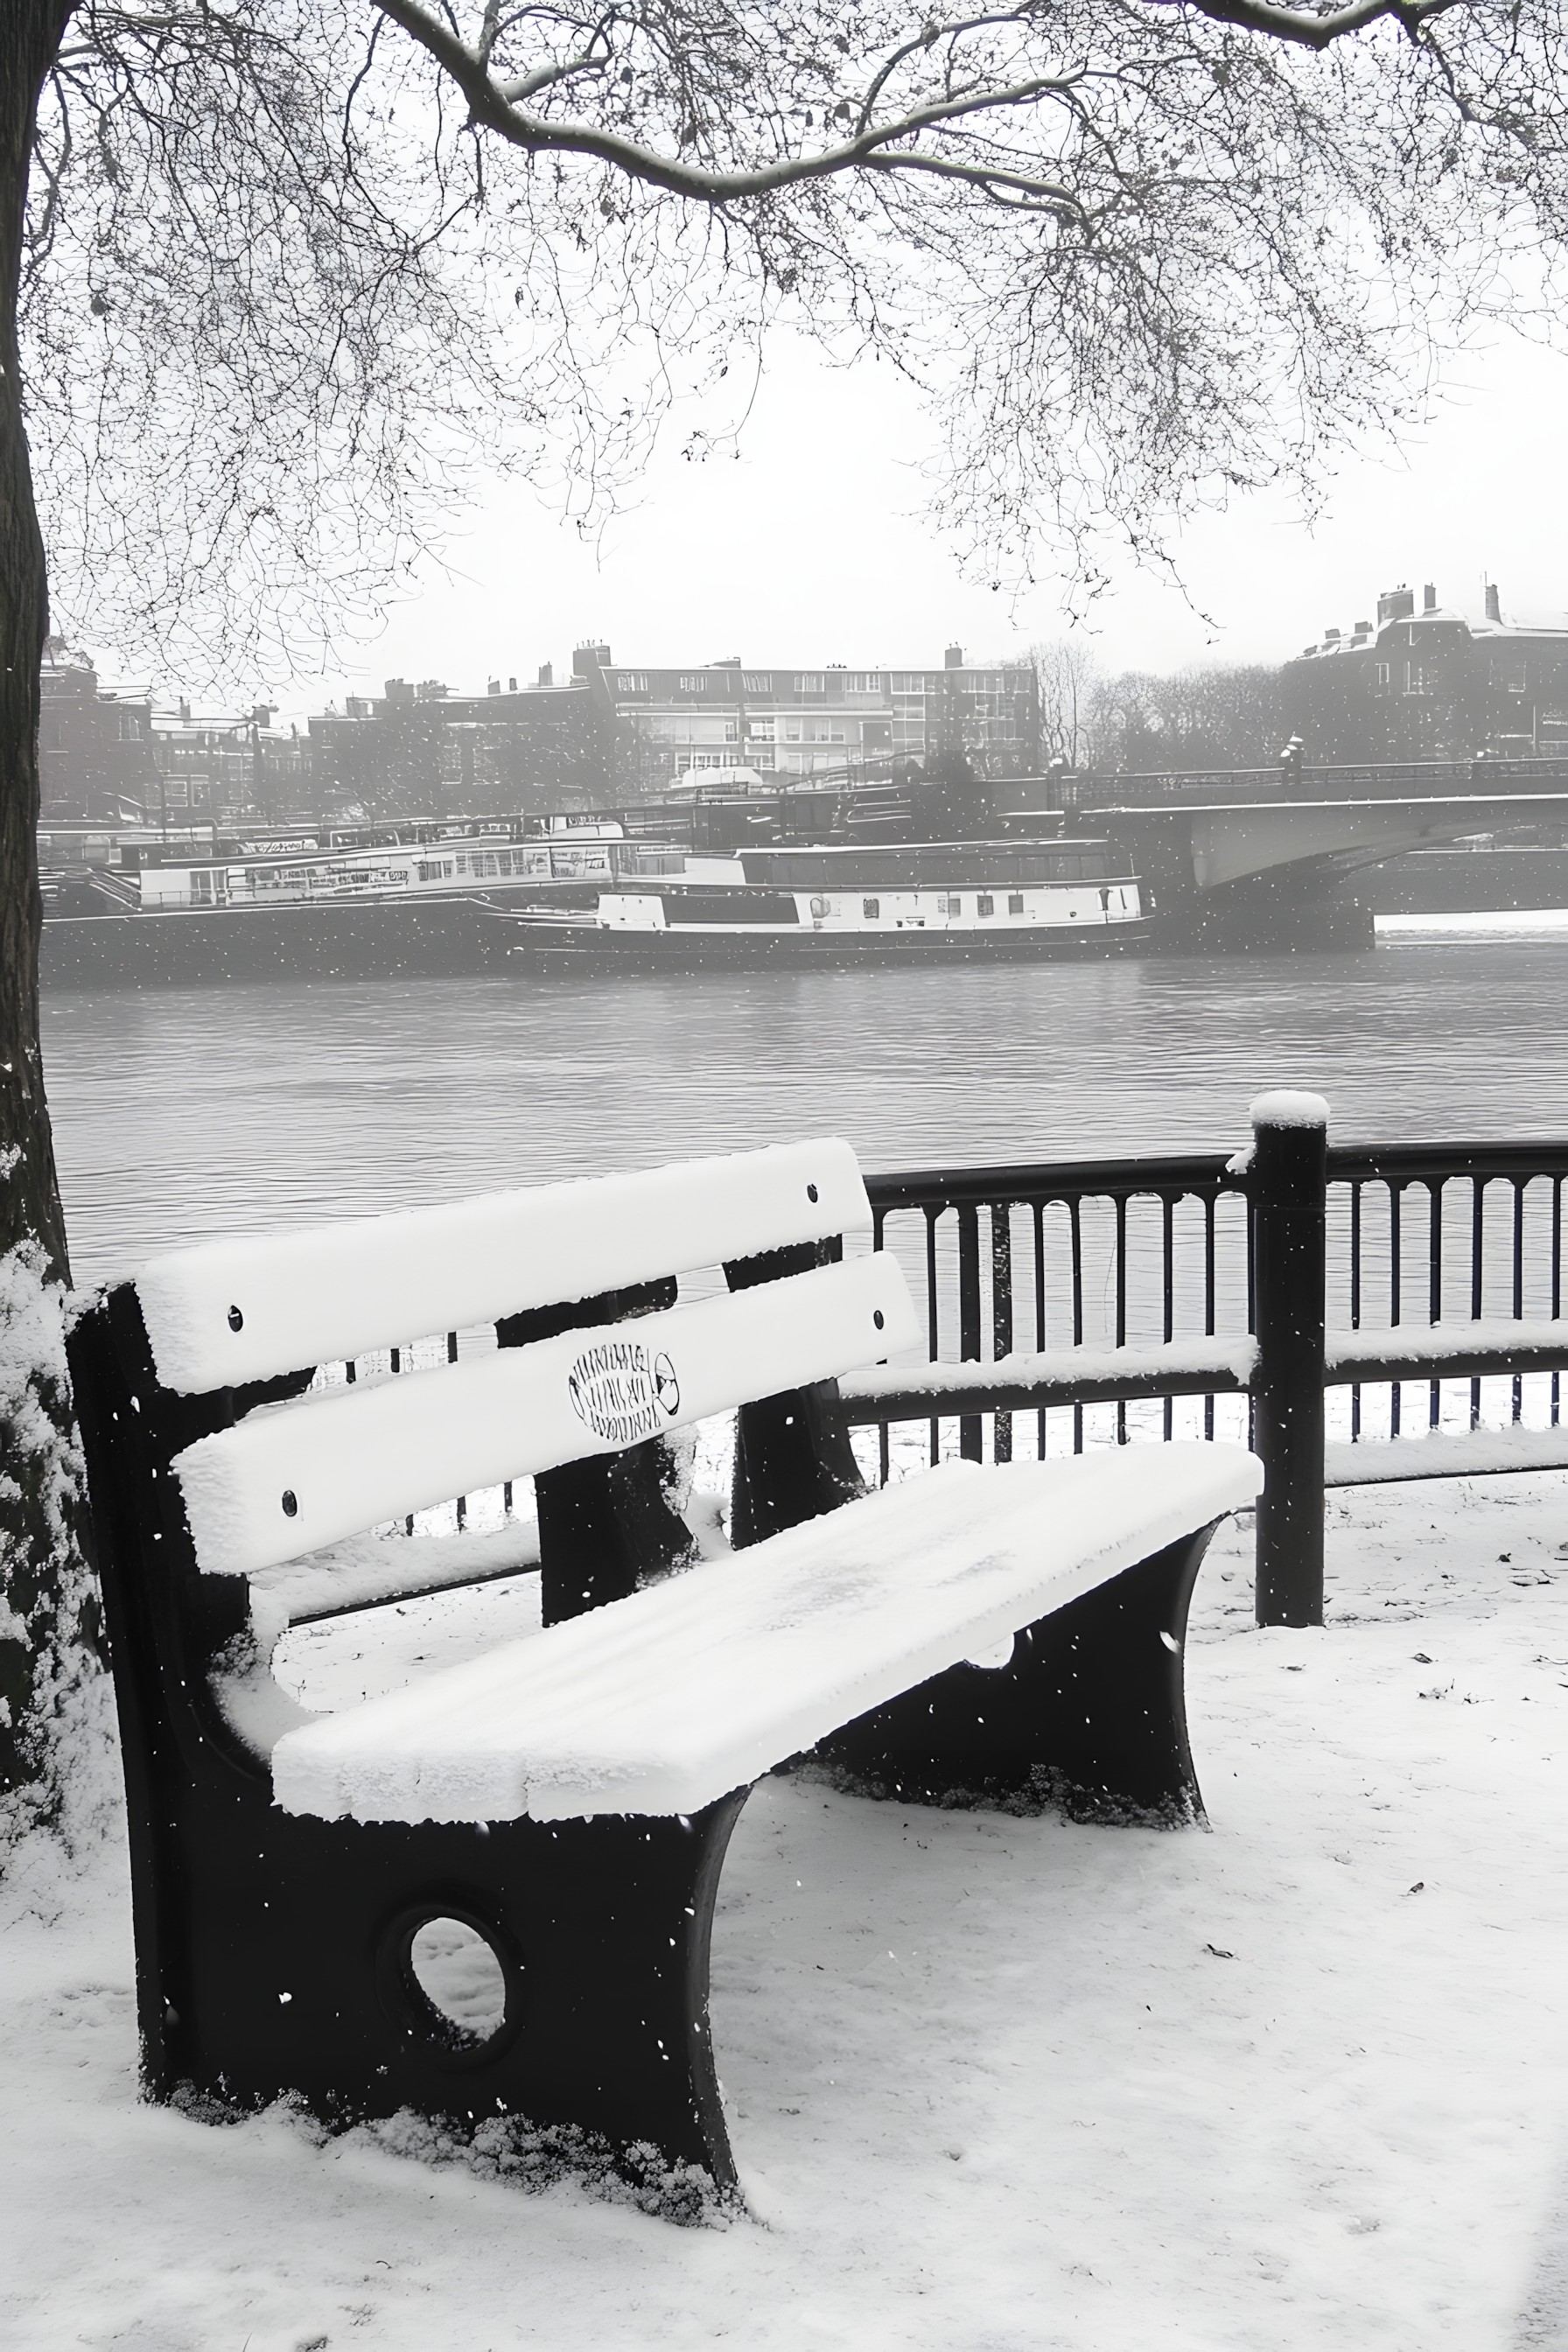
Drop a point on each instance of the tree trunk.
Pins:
(47, 1609)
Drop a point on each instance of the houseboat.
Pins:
(304, 907)
(964, 902)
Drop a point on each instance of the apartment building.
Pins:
(805, 722)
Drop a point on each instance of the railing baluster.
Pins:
(1556, 1277)
(1168, 1246)
(878, 1228)
(1211, 1203)
(1478, 1264)
(1002, 1314)
(1517, 1413)
(462, 1500)
(1075, 1228)
(969, 1424)
(1356, 1302)
(1122, 1302)
(396, 1356)
(1395, 1246)
(1039, 1221)
(1434, 1288)
(933, 1211)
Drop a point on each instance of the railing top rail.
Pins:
(1028, 1180)
(1412, 1163)
(1207, 1172)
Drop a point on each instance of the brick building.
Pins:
(799, 722)
(95, 749)
(420, 749)
(1430, 685)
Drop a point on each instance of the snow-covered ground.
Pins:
(998, 2084)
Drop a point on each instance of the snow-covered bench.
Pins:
(568, 1796)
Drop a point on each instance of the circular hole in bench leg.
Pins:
(452, 1981)
(459, 1973)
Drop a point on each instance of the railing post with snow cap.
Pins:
(1290, 1186)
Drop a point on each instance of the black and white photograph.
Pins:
(784, 1115)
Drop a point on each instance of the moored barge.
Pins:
(926, 902)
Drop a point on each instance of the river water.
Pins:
(182, 1113)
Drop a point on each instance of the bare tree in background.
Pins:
(292, 278)
(1208, 714)
(1067, 676)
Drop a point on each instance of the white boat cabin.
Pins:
(925, 885)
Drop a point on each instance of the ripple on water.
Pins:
(179, 1113)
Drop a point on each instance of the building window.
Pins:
(1416, 679)
(1517, 681)
(984, 905)
(1382, 672)
(1014, 902)
(809, 682)
(863, 682)
(632, 681)
(731, 731)
(696, 683)
(872, 910)
(757, 681)
(761, 731)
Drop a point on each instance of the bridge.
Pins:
(1260, 857)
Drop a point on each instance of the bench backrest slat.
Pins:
(291, 1479)
(225, 1313)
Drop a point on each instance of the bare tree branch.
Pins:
(289, 305)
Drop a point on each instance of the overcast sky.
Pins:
(809, 548)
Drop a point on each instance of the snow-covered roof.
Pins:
(1365, 636)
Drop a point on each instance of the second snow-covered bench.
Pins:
(567, 1797)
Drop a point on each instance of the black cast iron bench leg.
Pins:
(284, 1968)
(1089, 1712)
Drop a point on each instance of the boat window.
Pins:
(985, 904)
(818, 908)
(1014, 902)
(871, 909)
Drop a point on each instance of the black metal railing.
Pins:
(1046, 1267)
(1050, 1289)
(1291, 1293)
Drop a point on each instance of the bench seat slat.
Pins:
(338, 1291)
(292, 1478)
(661, 1703)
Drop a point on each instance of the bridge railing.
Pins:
(1320, 1303)
(1387, 780)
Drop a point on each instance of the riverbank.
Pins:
(998, 2085)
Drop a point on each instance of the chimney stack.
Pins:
(1429, 598)
(1494, 609)
(954, 657)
